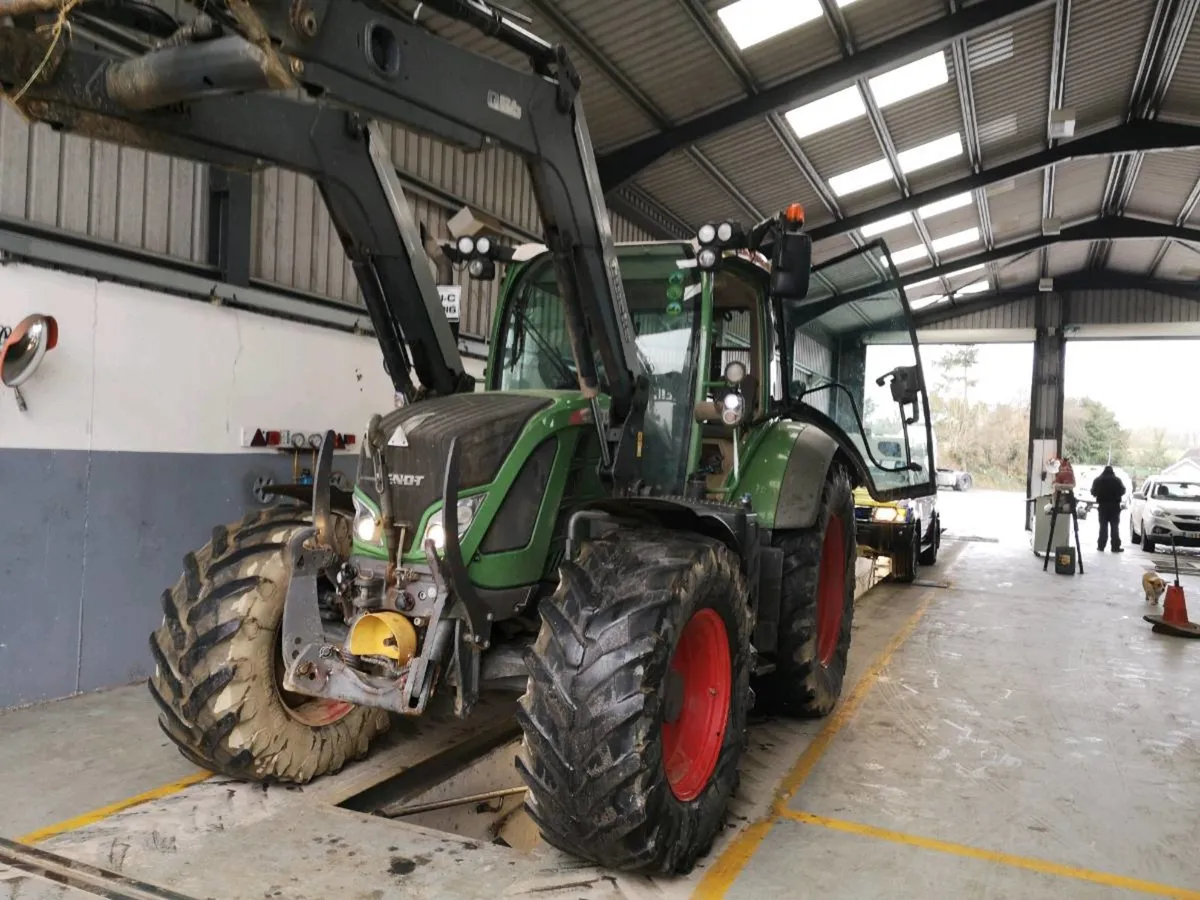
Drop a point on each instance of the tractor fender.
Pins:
(785, 472)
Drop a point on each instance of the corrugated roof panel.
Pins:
(1104, 45)
(869, 198)
(612, 118)
(1011, 90)
(1016, 207)
(786, 55)
(1182, 102)
(1019, 270)
(940, 173)
(844, 147)
(1180, 263)
(1079, 188)
(1067, 258)
(873, 21)
(953, 221)
(660, 49)
(1164, 183)
(679, 184)
(1132, 256)
(832, 247)
(755, 159)
(925, 117)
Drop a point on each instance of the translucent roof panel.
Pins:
(958, 201)
(751, 22)
(958, 239)
(928, 154)
(910, 79)
(861, 178)
(820, 114)
(891, 223)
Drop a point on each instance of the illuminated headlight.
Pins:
(888, 514)
(707, 258)
(466, 246)
(436, 530)
(368, 528)
(724, 232)
(483, 245)
(732, 408)
(707, 234)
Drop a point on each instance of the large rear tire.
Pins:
(635, 712)
(816, 608)
(219, 664)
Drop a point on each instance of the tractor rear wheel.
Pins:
(219, 664)
(635, 711)
(816, 608)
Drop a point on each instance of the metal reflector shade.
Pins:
(23, 351)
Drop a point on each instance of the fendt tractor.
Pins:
(643, 524)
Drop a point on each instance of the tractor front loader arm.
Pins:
(84, 89)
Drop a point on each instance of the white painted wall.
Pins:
(136, 370)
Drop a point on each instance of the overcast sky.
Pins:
(1148, 384)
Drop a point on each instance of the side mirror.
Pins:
(24, 349)
(1138, 495)
(906, 384)
(791, 266)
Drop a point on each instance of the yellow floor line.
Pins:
(1007, 859)
(42, 834)
(721, 874)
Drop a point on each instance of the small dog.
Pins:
(1153, 586)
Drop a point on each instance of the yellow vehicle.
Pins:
(907, 531)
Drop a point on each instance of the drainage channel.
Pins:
(471, 790)
(22, 865)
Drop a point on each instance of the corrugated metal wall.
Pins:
(154, 203)
(1090, 307)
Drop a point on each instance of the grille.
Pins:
(486, 424)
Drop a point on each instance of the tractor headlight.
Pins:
(368, 528)
(889, 514)
(435, 530)
(725, 232)
(707, 234)
(483, 246)
(733, 407)
(707, 258)
(466, 245)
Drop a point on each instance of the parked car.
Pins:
(1163, 508)
(954, 479)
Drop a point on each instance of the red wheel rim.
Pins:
(695, 729)
(831, 590)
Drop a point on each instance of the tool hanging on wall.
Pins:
(1174, 618)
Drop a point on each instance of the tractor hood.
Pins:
(486, 425)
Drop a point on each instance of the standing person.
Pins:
(1108, 490)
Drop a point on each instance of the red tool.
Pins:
(1174, 618)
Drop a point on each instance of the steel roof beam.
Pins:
(1189, 207)
(1130, 137)
(648, 214)
(1058, 80)
(623, 164)
(1108, 228)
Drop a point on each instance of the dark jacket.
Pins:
(1108, 489)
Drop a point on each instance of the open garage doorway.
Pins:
(1129, 404)
(979, 402)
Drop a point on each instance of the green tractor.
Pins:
(485, 551)
(643, 525)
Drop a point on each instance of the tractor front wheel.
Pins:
(635, 712)
(219, 664)
(816, 608)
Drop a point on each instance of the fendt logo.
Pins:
(504, 105)
(406, 480)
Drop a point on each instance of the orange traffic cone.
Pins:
(1174, 618)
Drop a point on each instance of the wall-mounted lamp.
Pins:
(23, 349)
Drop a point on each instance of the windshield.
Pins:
(664, 302)
(852, 350)
(1176, 490)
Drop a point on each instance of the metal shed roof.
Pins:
(689, 127)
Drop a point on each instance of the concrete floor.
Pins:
(1012, 733)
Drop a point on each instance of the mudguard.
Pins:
(784, 474)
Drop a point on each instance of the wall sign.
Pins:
(451, 296)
